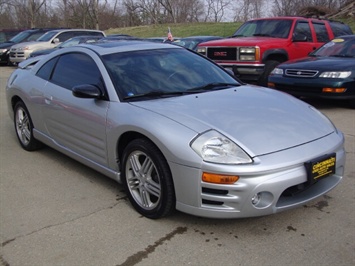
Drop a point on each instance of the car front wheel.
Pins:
(24, 128)
(147, 179)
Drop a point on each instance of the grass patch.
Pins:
(179, 30)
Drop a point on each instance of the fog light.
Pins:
(256, 199)
(262, 200)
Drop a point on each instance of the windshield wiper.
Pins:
(261, 34)
(341, 55)
(213, 86)
(155, 94)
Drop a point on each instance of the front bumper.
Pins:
(274, 176)
(19, 56)
(247, 73)
(313, 87)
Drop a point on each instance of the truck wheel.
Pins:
(269, 66)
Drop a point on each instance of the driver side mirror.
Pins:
(87, 91)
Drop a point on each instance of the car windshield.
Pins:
(164, 73)
(276, 28)
(24, 35)
(47, 36)
(340, 47)
(190, 44)
(70, 42)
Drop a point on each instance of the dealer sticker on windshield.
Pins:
(321, 167)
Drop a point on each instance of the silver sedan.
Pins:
(178, 131)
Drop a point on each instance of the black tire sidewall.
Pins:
(167, 202)
(33, 144)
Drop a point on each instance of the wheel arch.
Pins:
(280, 55)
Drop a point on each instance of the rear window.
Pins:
(340, 29)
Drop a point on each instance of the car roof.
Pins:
(60, 30)
(103, 48)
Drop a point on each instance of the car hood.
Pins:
(23, 44)
(259, 120)
(240, 41)
(321, 63)
(5, 45)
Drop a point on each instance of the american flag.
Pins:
(170, 36)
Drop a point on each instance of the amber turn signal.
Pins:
(219, 179)
(334, 90)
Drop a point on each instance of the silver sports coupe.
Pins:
(178, 131)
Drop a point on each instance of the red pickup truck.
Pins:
(259, 45)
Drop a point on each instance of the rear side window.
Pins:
(65, 36)
(340, 29)
(303, 29)
(46, 70)
(76, 69)
(321, 32)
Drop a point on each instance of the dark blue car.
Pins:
(328, 72)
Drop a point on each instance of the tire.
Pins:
(24, 128)
(269, 66)
(147, 179)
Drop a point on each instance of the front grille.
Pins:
(301, 73)
(222, 53)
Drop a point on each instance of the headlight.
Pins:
(335, 74)
(249, 53)
(3, 51)
(23, 48)
(277, 71)
(213, 147)
(201, 50)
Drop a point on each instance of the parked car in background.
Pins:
(50, 39)
(23, 36)
(73, 41)
(176, 129)
(7, 34)
(119, 37)
(328, 72)
(156, 39)
(193, 41)
(259, 45)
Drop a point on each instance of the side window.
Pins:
(65, 36)
(321, 32)
(76, 69)
(302, 29)
(46, 70)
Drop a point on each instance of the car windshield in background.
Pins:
(189, 44)
(25, 35)
(276, 28)
(341, 47)
(46, 37)
(165, 72)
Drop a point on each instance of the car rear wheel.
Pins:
(24, 128)
(147, 179)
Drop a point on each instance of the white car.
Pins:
(20, 52)
(179, 131)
